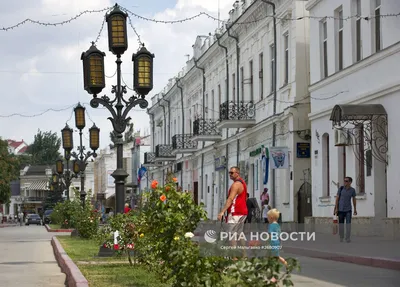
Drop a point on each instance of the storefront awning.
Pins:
(343, 113)
(39, 185)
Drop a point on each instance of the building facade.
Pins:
(106, 163)
(229, 106)
(17, 147)
(354, 95)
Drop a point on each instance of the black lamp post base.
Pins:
(120, 175)
(105, 252)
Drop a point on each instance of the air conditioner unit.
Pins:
(341, 137)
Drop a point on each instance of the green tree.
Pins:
(53, 197)
(9, 171)
(45, 148)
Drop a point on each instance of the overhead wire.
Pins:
(285, 18)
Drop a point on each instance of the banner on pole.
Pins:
(280, 157)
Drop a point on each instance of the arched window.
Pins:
(326, 179)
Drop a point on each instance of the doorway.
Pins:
(196, 192)
(304, 206)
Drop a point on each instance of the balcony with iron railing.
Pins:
(183, 143)
(237, 115)
(150, 160)
(164, 153)
(206, 130)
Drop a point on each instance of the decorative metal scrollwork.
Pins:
(164, 151)
(205, 127)
(149, 157)
(237, 111)
(183, 142)
(370, 135)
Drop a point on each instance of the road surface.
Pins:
(27, 258)
(327, 273)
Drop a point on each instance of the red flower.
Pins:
(154, 184)
(116, 246)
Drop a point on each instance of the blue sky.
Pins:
(40, 66)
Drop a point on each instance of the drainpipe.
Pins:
(165, 137)
(152, 129)
(183, 121)
(204, 115)
(237, 86)
(169, 120)
(227, 99)
(275, 85)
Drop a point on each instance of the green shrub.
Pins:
(71, 214)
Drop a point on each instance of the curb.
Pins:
(385, 263)
(74, 276)
(8, 225)
(57, 230)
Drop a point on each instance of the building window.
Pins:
(358, 30)
(212, 104)
(326, 178)
(256, 175)
(286, 55)
(190, 120)
(206, 104)
(272, 56)
(219, 97)
(377, 24)
(261, 75)
(233, 87)
(324, 48)
(251, 81)
(339, 38)
(361, 160)
(242, 83)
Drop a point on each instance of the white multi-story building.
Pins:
(354, 99)
(106, 163)
(228, 103)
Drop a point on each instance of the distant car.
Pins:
(46, 216)
(33, 219)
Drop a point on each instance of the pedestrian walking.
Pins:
(265, 209)
(343, 207)
(236, 203)
(21, 218)
(274, 231)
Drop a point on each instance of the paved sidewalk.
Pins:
(27, 258)
(371, 251)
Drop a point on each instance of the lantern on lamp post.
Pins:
(81, 157)
(117, 34)
(93, 70)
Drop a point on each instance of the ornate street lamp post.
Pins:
(94, 83)
(81, 158)
(66, 175)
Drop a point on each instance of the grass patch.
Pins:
(54, 226)
(116, 275)
(82, 251)
(104, 273)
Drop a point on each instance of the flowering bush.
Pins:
(165, 227)
(127, 234)
(64, 213)
(161, 236)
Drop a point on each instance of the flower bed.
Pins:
(159, 238)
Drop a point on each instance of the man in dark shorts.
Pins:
(343, 207)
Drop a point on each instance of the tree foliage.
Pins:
(45, 148)
(9, 171)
